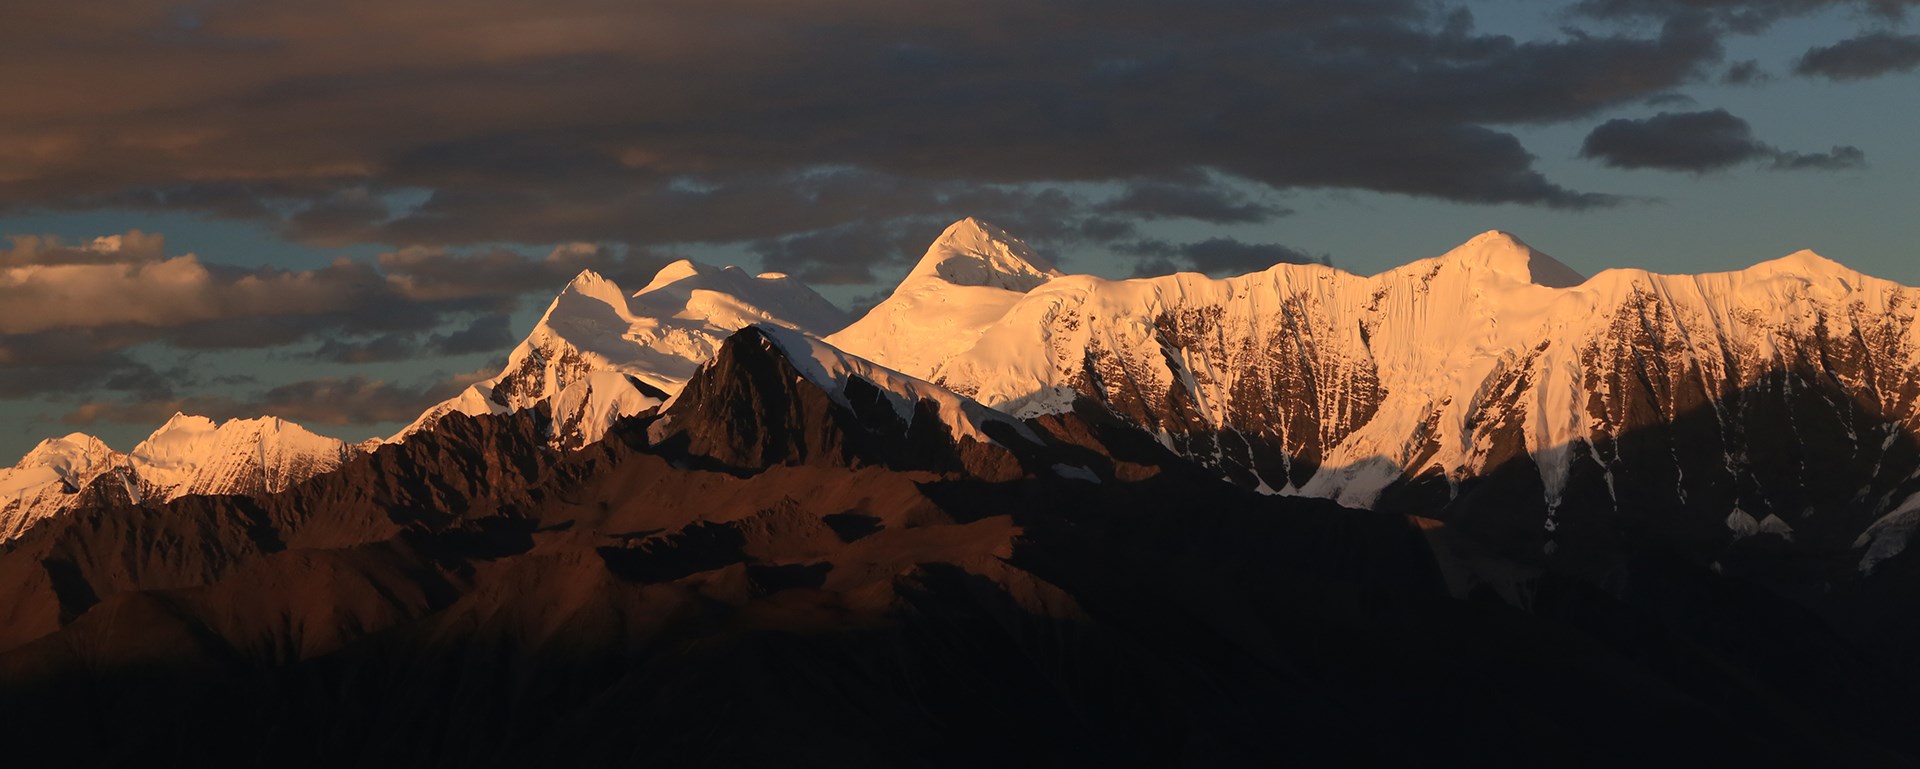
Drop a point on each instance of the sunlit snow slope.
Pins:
(599, 354)
(187, 455)
(968, 280)
(1626, 389)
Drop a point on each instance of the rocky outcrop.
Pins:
(809, 596)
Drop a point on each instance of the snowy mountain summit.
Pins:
(599, 354)
(1500, 253)
(187, 455)
(1491, 371)
(969, 278)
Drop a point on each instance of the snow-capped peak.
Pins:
(187, 455)
(595, 342)
(1496, 252)
(593, 285)
(972, 252)
(1806, 264)
(672, 273)
(69, 453)
(968, 280)
(194, 455)
(831, 370)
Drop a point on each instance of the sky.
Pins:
(341, 212)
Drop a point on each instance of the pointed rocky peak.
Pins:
(772, 395)
(974, 253)
(182, 422)
(728, 298)
(589, 301)
(593, 285)
(1496, 252)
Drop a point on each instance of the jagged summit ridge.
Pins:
(968, 279)
(972, 252)
(187, 455)
(1298, 379)
(1306, 380)
(599, 354)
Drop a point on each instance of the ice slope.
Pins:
(1306, 379)
(599, 354)
(970, 277)
(187, 455)
(193, 455)
(831, 369)
(50, 479)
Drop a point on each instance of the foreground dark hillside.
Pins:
(774, 574)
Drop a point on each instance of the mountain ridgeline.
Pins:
(1478, 510)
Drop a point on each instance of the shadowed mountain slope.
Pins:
(793, 564)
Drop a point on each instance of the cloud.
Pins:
(1745, 73)
(174, 291)
(1867, 56)
(1699, 142)
(1748, 16)
(1214, 256)
(127, 283)
(133, 246)
(438, 274)
(352, 400)
(1196, 197)
(848, 254)
(70, 314)
(643, 123)
(486, 333)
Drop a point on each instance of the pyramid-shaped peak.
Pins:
(595, 286)
(1501, 253)
(184, 421)
(973, 252)
(1804, 263)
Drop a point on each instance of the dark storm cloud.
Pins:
(439, 274)
(1214, 256)
(46, 364)
(1745, 73)
(1673, 99)
(1741, 15)
(1194, 197)
(1699, 142)
(68, 312)
(486, 333)
(353, 400)
(381, 348)
(848, 254)
(1862, 57)
(654, 123)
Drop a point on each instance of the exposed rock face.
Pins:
(599, 354)
(1561, 401)
(793, 577)
(774, 398)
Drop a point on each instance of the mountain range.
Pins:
(1031, 517)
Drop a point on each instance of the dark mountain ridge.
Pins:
(774, 569)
